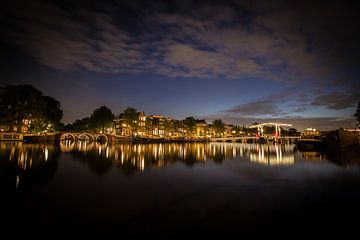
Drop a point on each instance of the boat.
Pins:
(310, 143)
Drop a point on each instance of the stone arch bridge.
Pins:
(83, 136)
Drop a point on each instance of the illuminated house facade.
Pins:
(158, 126)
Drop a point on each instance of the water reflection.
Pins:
(37, 163)
(272, 155)
(238, 183)
(313, 156)
(140, 156)
(26, 165)
(344, 157)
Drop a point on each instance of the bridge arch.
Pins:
(67, 136)
(102, 138)
(85, 136)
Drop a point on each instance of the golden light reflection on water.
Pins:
(28, 163)
(143, 156)
(25, 155)
(271, 155)
(22, 161)
(157, 155)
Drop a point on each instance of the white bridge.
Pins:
(254, 139)
(260, 128)
(260, 134)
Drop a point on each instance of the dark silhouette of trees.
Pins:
(101, 118)
(293, 132)
(189, 123)
(80, 125)
(53, 112)
(218, 126)
(357, 113)
(21, 102)
(131, 116)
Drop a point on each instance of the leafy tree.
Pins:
(131, 116)
(293, 132)
(269, 129)
(80, 125)
(190, 123)
(101, 118)
(218, 126)
(26, 102)
(52, 113)
(357, 113)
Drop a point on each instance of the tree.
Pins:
(190, 123)
(80, 125)
(357, 113)
(21, 102)
(293, 132)
(218, 126)
(131, 116)
(101, 118)
(53, 113)
(269, 129)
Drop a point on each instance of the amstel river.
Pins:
(176, 189)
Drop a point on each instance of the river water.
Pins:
(170, 189)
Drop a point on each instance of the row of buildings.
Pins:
(155, 126)
(165, 127)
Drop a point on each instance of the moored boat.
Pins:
(310, 144)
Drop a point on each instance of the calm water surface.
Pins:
(167, 189)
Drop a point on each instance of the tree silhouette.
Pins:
(101, 118)
(218, 126)
(131, 116)
(357, 113)
(26, 102)
(190, 123)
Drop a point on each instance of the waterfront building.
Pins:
(311, 132)
(121, 127)
(202, 128)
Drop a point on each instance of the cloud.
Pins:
(232, 39)
(296, 102)
(54, 38)
(272, 105)
(338, 100)
(259, 107)
(188, 61)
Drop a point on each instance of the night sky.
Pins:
(290, 61)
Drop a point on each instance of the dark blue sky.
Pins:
(241, 61)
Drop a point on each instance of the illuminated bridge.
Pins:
(81, 136)
(260, 128)
(260, 134)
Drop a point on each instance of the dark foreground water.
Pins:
(176, 189)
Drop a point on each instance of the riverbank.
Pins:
(56, 137)
(11, 137)
(343, 138)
